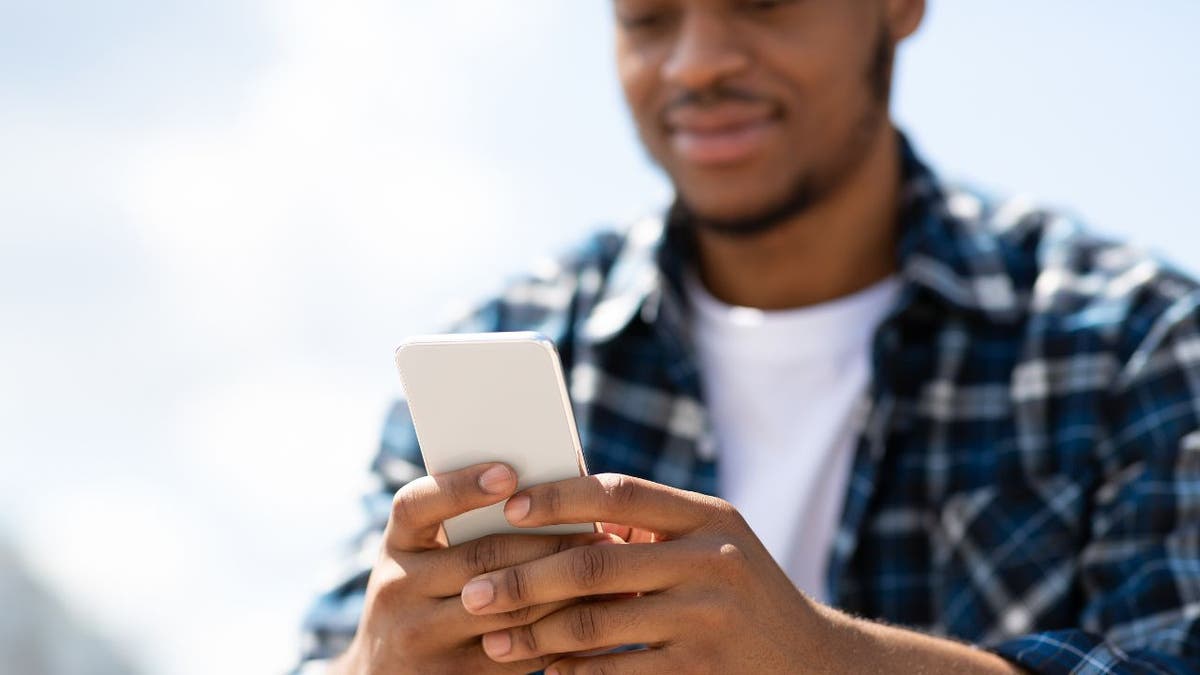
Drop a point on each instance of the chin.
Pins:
(739, 192)
(746, 210)
(726, 200)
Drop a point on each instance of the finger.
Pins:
(457, 625)
(472, 659)
(615, 498)
(581, 572)
(444, 572)
(419, 507)
(639, 662)
(586, 626)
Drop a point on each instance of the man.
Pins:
(951, 435)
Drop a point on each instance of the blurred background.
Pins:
(217, 219)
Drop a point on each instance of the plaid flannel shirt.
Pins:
(1027, 475)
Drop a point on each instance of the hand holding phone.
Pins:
(489, 410)
(413, 618)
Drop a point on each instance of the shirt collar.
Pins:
(944, 247)
(948, 247)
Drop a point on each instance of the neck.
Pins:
(841, 244)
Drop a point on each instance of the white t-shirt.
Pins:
(781, 388)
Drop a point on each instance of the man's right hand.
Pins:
(413, 619)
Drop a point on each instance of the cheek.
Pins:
(829, 96)
(638, 76)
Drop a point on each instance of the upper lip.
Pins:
(717, 118)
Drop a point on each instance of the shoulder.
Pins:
(1072, 282)
(1101, 348)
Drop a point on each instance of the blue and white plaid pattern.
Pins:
(1028, 471)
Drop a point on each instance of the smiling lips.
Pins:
(724, 134)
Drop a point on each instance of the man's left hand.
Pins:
(705, 597)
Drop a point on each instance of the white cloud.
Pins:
(323, 167)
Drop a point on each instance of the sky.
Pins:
(217, 220)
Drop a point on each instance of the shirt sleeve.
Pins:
(1141, 566)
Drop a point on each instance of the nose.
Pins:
(706, 50)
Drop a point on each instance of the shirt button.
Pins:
(1016, 620)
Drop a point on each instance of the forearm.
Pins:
(853, 645)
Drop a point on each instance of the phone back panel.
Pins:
(492, 397)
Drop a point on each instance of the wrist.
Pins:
(828, 637)
(846, 644)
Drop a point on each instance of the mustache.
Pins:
(712, 96)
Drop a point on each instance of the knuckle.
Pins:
(728, 559)
(586, 624)
(404, 505)
(726, 516)
(731, 555)
(551, 501)
(391, 584)
(454, 488)
(527, 639)
(588, 565)
(562, 544)
(483, 555)
(515, 584)
(727, 511)
(619, 491)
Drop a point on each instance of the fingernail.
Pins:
(517, 508)
(497, 644)
(478, 594)
(495, 480)
(552, 671)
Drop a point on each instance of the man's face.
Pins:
(755, 106)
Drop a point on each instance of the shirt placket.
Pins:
(874, 420)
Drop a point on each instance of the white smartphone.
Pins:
(492, 397)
